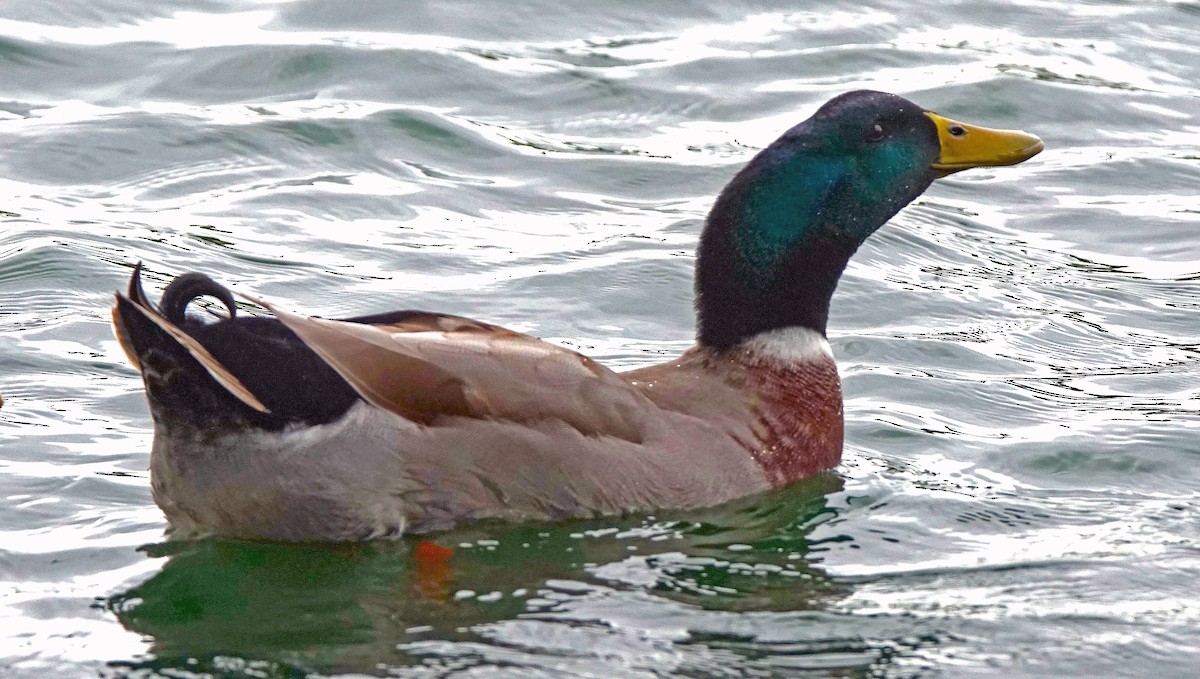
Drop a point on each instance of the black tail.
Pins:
(187, 287)
(236, 372)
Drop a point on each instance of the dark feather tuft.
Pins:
(187, 287)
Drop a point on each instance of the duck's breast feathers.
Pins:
(425, 367)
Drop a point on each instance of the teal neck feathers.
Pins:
(781, 233)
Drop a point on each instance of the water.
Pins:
(1019, 348)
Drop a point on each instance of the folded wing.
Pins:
(428, 366)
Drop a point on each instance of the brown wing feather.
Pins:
(365, 357)
(436, 366)
(427, 321)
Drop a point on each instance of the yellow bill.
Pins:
(965, 146)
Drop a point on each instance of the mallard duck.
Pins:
(302, 428)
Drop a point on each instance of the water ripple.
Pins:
(1018, 348)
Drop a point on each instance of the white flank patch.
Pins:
(361, 424)
(791, 344)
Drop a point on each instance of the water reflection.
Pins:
(329, 608)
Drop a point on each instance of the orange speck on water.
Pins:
(433, 571)
(429, 554)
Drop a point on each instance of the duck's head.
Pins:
(780, 234)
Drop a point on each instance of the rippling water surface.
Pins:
(1019, 348)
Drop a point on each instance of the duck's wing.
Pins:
(425, 366)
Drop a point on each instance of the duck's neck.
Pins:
(779, 237)
(771, 254)
(732, 309)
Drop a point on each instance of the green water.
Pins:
(1019, 348)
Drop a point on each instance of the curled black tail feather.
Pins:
(187, 287)
(135, 292)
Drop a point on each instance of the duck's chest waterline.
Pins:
(799, 424)
(797, 403)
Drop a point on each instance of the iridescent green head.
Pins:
(782, 231)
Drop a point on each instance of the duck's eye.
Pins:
(956, 130)
(875, 133)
